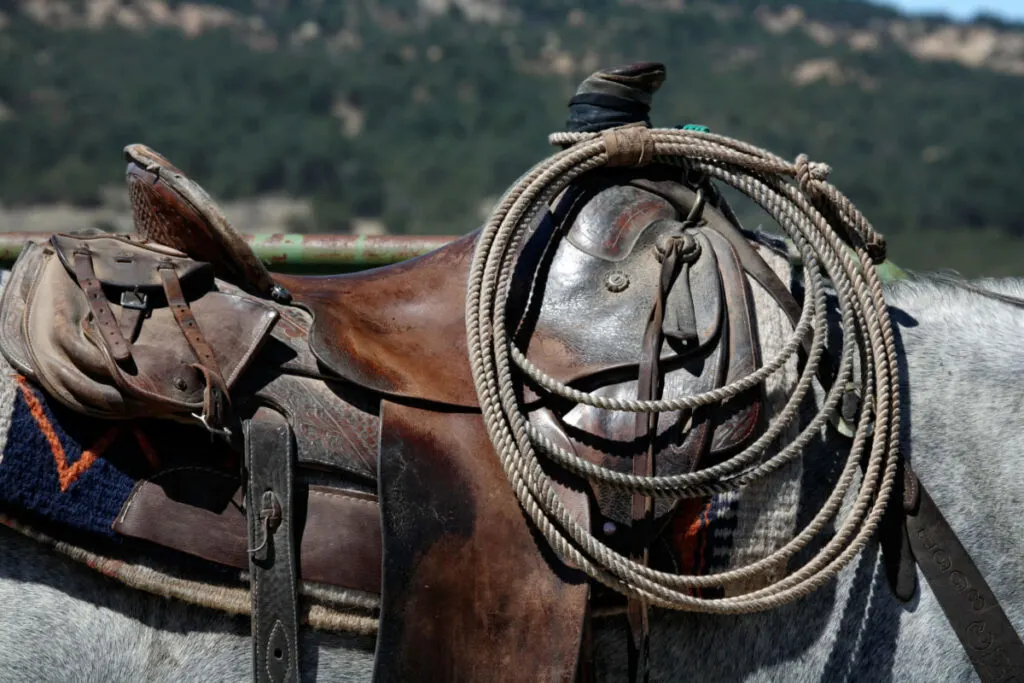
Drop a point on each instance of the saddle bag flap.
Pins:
(466, 586)
(161, 377)
(122, 264)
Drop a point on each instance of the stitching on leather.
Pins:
(254, 583)
(342, 494)
(289, 539)
(266, 659)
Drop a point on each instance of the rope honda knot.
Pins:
(631, 145)
(810, 173)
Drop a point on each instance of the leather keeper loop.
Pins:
(631, 145)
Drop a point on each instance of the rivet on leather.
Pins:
(616, 281)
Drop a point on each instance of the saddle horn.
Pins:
(614, 97)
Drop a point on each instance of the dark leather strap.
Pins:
(270, 458)
(198, 511)
(110, 333)
(646, 427)
(994, 648)
(215, 399)
(894, 539)
(757, 268)
(131, 319)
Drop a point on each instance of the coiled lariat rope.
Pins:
(800, 209)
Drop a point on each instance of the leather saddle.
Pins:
(366, 374)
(365, 463)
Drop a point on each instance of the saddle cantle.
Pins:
(170, 208)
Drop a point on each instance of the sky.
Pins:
(964, 9)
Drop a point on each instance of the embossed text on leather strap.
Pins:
(995, 649)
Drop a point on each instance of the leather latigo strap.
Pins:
(993, 646)
(199, 511)
(270, 462)
(106, 323)
(216, 401)
(649, 388)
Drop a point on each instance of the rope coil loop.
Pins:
(835, 243)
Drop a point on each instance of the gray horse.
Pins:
(963, 432)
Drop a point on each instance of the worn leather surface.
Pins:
(617, 232)
(579, 326)
(470, 592)
(399, 329)
(683, 440)
(71, 361)
(335, 423)
(123, 263)
(335, 427)
(200, 511)
(273, 580)
(24, 273)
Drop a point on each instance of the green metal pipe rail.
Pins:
(314, 254)
(298, 253)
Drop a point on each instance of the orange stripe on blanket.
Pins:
(66, 475)
(689, 537)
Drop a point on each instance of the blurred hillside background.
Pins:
(412, 116)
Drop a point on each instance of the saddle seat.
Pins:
(577, 311)
(399, 330)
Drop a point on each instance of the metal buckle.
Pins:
(134, 299)
(218, 431)
(696, 211)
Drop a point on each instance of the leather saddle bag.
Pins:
(116, 328)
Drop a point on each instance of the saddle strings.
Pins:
(800, 208)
